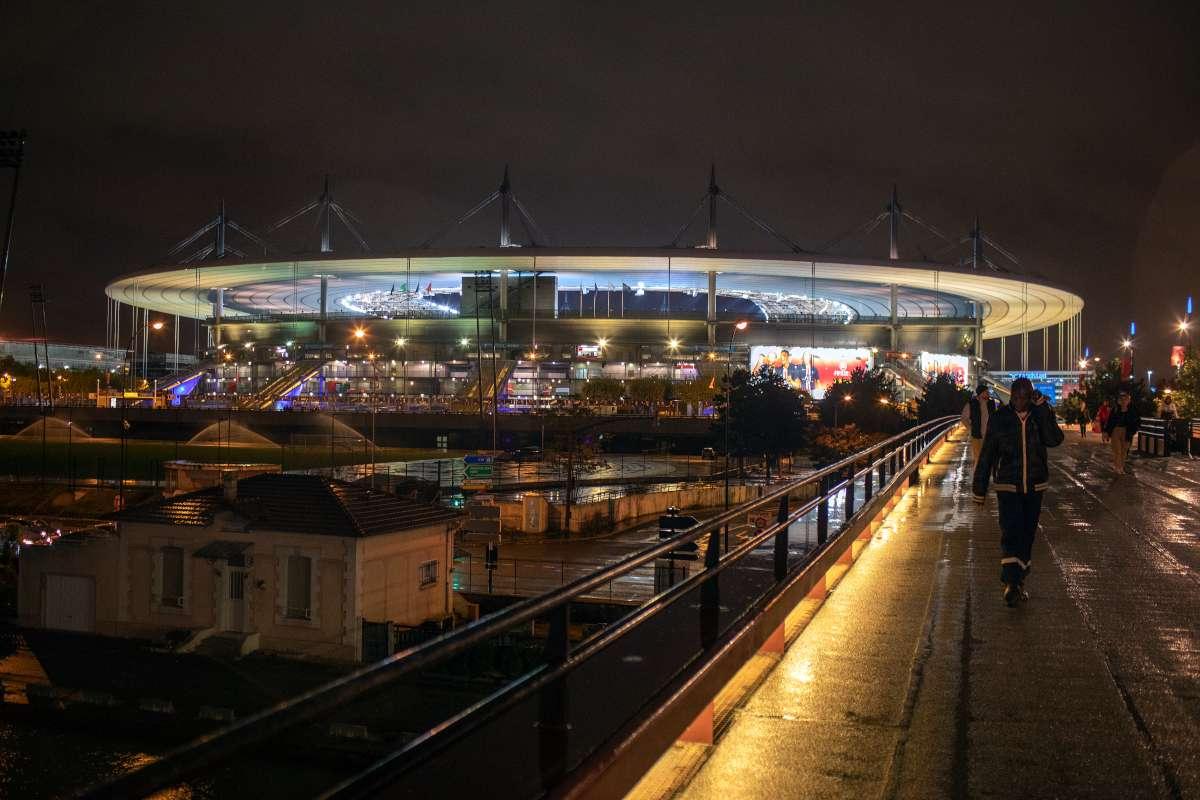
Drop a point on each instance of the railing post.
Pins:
(781, 540)
(823, 512)
(710, 592)
(868, 489)
(552, 724)
(849, 493)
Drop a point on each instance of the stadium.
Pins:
(527, 323)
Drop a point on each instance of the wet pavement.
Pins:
(915, 680)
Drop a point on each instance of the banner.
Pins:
(955, 366)
(810, 368)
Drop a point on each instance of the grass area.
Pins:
(102, 457)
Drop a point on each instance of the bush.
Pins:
(833, 444)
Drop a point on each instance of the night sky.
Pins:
(1073, 134)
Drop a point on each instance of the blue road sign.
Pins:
(477, 459)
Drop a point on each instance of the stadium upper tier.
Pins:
(429, 283)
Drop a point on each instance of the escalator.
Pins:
(288, 382)
(185, 382)
(491, 385)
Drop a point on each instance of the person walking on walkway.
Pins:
(1122, 424)
(975, 416)
(1102, 415)
(1014, 457)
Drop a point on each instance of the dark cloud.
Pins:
(1054, 121)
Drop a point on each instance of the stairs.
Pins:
(503, 366)
(228, 645)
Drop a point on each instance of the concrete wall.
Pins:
(97, 558)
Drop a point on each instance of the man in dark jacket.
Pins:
(1014, 457)
(975, 417)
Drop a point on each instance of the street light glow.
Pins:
(1083, 363)
(883, 401)
(1183, 326)
(602, 342)
(401, 342)
(1126, 344)
(464, 341)
(847, 398)
(359, 333)
(158, 326)
(673, 344)
(742, 325)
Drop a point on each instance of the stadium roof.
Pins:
(1012, 303)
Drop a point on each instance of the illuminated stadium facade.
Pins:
(542, 319)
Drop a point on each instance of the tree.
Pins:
(766, 416)
(834, 444)
(603, 390)
(697, 391)
(1187, 384)
(874, 404)
(648, 390)
(1105, 383)
(942, 396)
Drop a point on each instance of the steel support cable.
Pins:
(341, 214)
(191, 239)
(491, 198)
(691, 218)
(761, 224)
(222, 744)
(861, 231)
(534, 231)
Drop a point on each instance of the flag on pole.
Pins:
(429, 288)
(404, 286)
(393, 291)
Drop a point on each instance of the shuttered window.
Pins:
(172, 576)
(299, 587)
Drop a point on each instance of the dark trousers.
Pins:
(1018, 523)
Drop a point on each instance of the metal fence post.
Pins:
(849, 493)
(553, 726)
(868, 478)
(781, 540)
(823, 512)
(710, 592)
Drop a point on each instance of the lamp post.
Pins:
(156, 326)
(847, 399)
(741, 325)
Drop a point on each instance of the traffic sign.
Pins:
(479, 471)
(476, 485)
(477, 459)
(490, 527)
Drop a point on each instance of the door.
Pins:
(70, 603)
(235, 599)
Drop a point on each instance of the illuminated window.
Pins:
(427, 573)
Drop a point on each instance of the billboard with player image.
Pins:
(955, 366)
(810, 368)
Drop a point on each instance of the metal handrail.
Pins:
(222, 744)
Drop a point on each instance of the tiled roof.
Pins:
(296, 504)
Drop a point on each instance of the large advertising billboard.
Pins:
(810, 368)
(934, 363)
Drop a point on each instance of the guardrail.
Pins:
(558, 727)
(1161, 437)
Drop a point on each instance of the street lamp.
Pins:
(740, 325)
(1149, 383)
(847, 399)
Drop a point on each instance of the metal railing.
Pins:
(548, 725)
(1162, 437)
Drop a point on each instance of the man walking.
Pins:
(1122, 424)
(1014, 454)
(975, 418)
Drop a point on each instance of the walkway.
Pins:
(914, 679)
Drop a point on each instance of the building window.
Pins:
(299, 587)
(172, 577)
(443, 441)
(427, 573)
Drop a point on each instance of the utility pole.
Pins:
(12, 153)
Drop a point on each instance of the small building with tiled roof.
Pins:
(282, 562)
